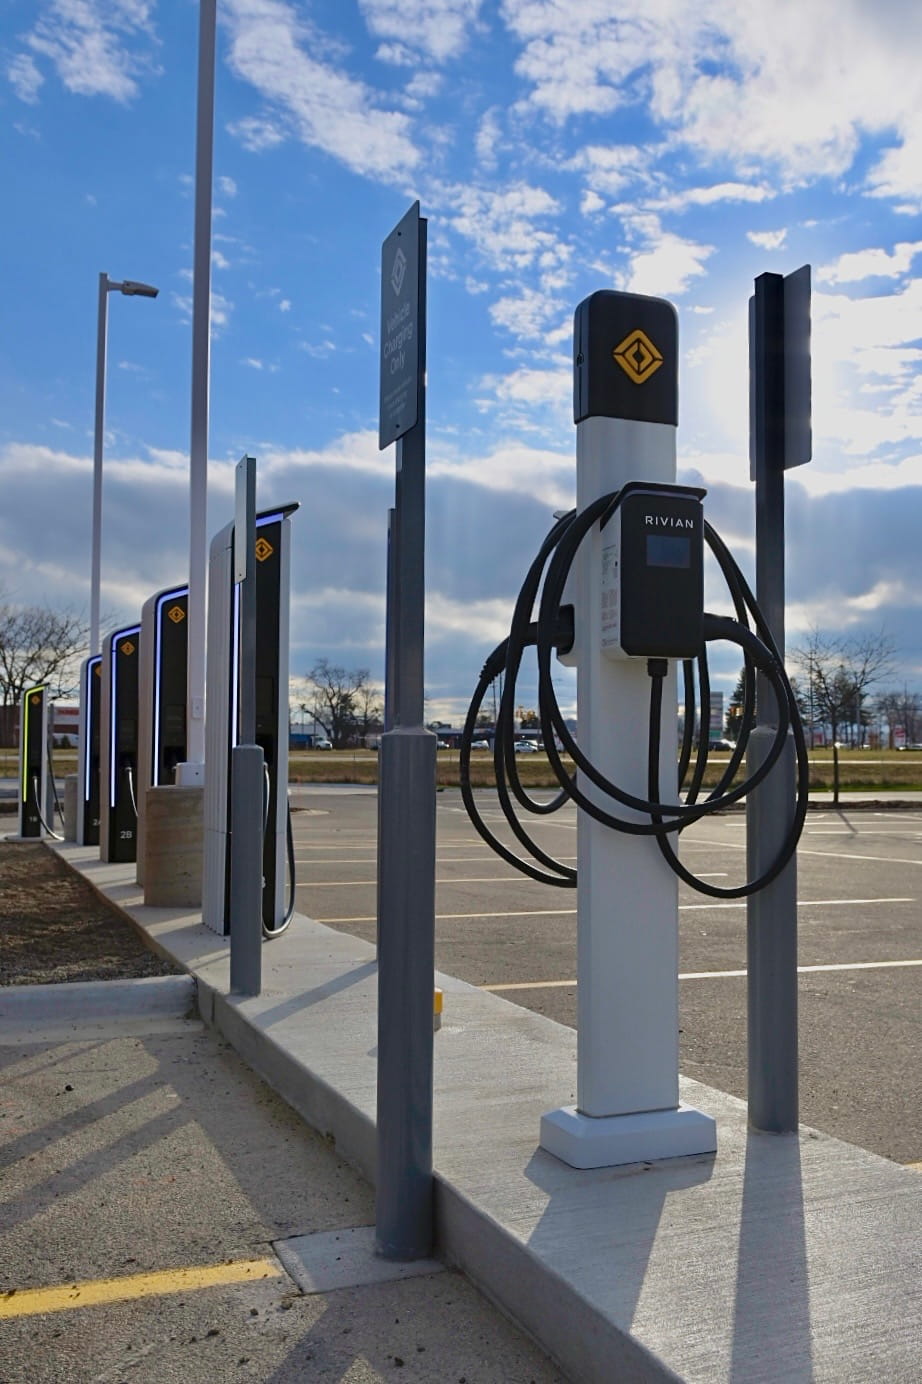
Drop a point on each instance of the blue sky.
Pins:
(672, 147)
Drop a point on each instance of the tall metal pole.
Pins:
(198, 447)
(772, 912)
(406, 844)
(96, 546)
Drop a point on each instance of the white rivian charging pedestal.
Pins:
(627, 1109)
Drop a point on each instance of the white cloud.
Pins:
(666, 267)
(611, 168)
(488, 136)
(25, 78)
(768, 240)
(285, 305)
(94, 44)
(277, 52)
(503, 222)
(873, 263)
(591, 203)
(716, 192)
(257, 133)
(526, 313)
(513, 468)
(227, 186)
(789, 85)
(438, 28)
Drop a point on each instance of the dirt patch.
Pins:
(54, 927)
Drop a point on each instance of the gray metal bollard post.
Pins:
(406, 962)
(771, 922)
(246, 870)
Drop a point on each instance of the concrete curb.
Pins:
(93, 1001)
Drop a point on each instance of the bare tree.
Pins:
(38, 645)
(343, 701)
(901, 708)
(839, 674)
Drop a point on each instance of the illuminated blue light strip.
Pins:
(88, 724)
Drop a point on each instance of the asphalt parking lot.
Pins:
(860, 921)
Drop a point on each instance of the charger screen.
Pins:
(668, 550)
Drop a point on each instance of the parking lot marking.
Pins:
(862, 831)
(62, 1297)
(826, 855)
(565, 912)
(801, 903)
(713, 975)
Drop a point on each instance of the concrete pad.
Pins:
(331, 1259)
(782, 1258)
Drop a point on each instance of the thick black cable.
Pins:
(566, 876)
(555, 560)
(38, 810)
(789, 845)
(681, 814)
(270, 932)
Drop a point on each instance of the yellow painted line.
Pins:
(916, 1167)
(718, 975)
(30, 1302)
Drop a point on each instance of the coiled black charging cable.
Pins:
(552, 633)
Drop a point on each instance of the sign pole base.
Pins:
(584, 1141)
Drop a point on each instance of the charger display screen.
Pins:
(668, 550)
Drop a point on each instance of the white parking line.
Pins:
(567, 912)
(453, 860)
(825, 855)
(454, 879)
(712, 975)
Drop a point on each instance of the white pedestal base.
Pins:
(189, 775)
(586, 1142)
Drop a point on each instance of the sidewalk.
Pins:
(783, 1258)
(156, 1196)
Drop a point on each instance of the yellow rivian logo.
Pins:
(176, 613)
(263, 549)
(127, 647)
(638, 357)
(35, 699)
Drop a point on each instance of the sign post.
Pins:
(780, 437)
(406, 836)
(247, 786)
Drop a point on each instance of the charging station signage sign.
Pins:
(625, 348)
(401, 340)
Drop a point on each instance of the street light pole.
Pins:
(131, 289)
(192, 770)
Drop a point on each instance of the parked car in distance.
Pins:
(525, 747)
(722, 745)
(442, 745)
(481, 745)
(323, 745)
